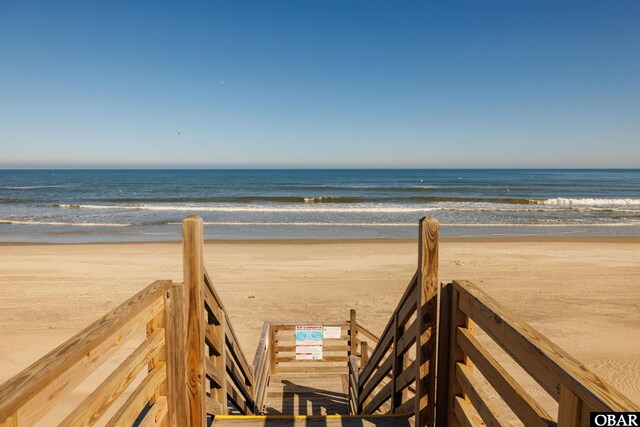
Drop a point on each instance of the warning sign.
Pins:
(308, 342)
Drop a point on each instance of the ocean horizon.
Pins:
(129, 205)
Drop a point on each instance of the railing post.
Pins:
(458, 320)
(175, 317)
(396, 366)
(353, 333)
(221, 363)
(364, 354)
(568, 408)
(444, 354)
(272, 349)
(192, 252)
(427, 294)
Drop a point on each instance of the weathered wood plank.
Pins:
(237, 399)
(386, 338)
(367, 387)
(237, 354)
(175, 345)
(89, 348)
(378, 353)
(213, 373)
(97, 403)
(523, 405)
(457, 354)
(353, 332)
(261, 363)
(101, 344)
(377, 400)
(213, 407)
(568, 408)
(212, 307)
(406, 377)
(353, 385)
(10, 421)
(239, 381)
(408, 407)
(272, 349)
(548, 364)
(213, 339)
(233, 338)
(364, 353)
(134, 405)
(157, 322)
(480, 401)
(192, 255)
(427, 292)
(464, 413)
(444, 354)
(156, 414)
(367, 333)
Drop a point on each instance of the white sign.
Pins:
(308, 342)
(331, 332)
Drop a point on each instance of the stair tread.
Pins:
(313, 421)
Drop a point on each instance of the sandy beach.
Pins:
(583, 293)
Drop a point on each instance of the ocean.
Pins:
(147, 205)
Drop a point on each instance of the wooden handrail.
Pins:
(354, 402)
(28, 396)
(230, 336)
(385, 339)
(389, 374)
(261, 368)
(462, 306)
(577, 390)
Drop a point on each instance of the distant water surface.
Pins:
(147, 205)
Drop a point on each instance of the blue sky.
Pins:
(320, 84)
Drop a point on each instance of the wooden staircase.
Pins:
(189, 369)
(306, 394)
(312, 421)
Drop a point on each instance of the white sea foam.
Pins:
(58, 223)
(355, 208)
(560, 201)
(314, 207)
(28, 187)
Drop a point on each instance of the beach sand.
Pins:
(583, 293)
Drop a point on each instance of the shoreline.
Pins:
(305, 241)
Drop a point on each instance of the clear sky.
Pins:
(320, 84)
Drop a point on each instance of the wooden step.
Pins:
(312, 421)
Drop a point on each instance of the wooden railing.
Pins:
(195, 366)
(155, 311)
(577, 390)
(276, 352)
(397, 377)
(405, 375)
(217, 370)
(238, 384)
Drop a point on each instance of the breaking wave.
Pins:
(59, 223)
(560, 201)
